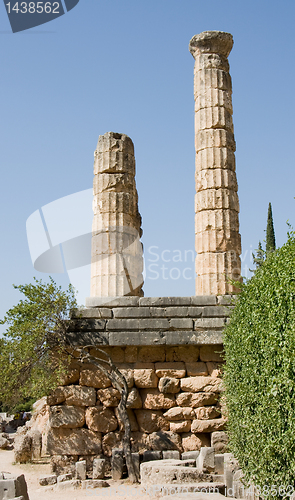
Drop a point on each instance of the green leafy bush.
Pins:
(259, 375)
(33, 357)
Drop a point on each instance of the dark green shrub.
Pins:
(260, 374)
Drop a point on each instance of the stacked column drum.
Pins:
(117, 257)
(218, 241)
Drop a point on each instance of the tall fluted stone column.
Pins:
(218, 242)
(117, 257)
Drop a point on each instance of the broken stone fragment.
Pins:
(47, 480)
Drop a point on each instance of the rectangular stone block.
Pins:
(216, 424)
(195, 312)
(148, 455)
(132, 312)
(212, 353)
(206, 460)
(72, 441)
(99, 465)
(196, 369)
(194, 337)
(136, 463)
(138, 324)
(152, 399)
(165, 301)
(102, 312)
(172, 312)
(126, 338)
(151, 421)
(190, 455)
(219, 463)
(111, 301)
(203, 300)
(157, 312)
(195, 400)
(123, 324)
(218, 311)
(145, 377)
(171, 455)
(66, 416)
(227, 300)
(92, 377)
(205, 323)
(87, 338)
(172, 369)
(182, 353)
(80, 469)
(117, 464)
(200, 384)
(87, 325)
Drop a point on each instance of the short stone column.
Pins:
(218, 242)
(116, 256)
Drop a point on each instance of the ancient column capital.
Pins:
(214, 42)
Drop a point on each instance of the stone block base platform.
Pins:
(170, 351)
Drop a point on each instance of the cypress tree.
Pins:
(258, 259)
(270, 245)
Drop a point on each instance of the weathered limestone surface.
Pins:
(218, 241)
(174, 388)
(116, 257)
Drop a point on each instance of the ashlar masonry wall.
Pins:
(170, 351)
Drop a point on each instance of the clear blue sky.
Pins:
(124, 65)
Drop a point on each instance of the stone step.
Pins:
(207, 490)
(162, 472)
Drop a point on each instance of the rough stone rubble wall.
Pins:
(218, 242)
(116, 256)
(174, 389)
